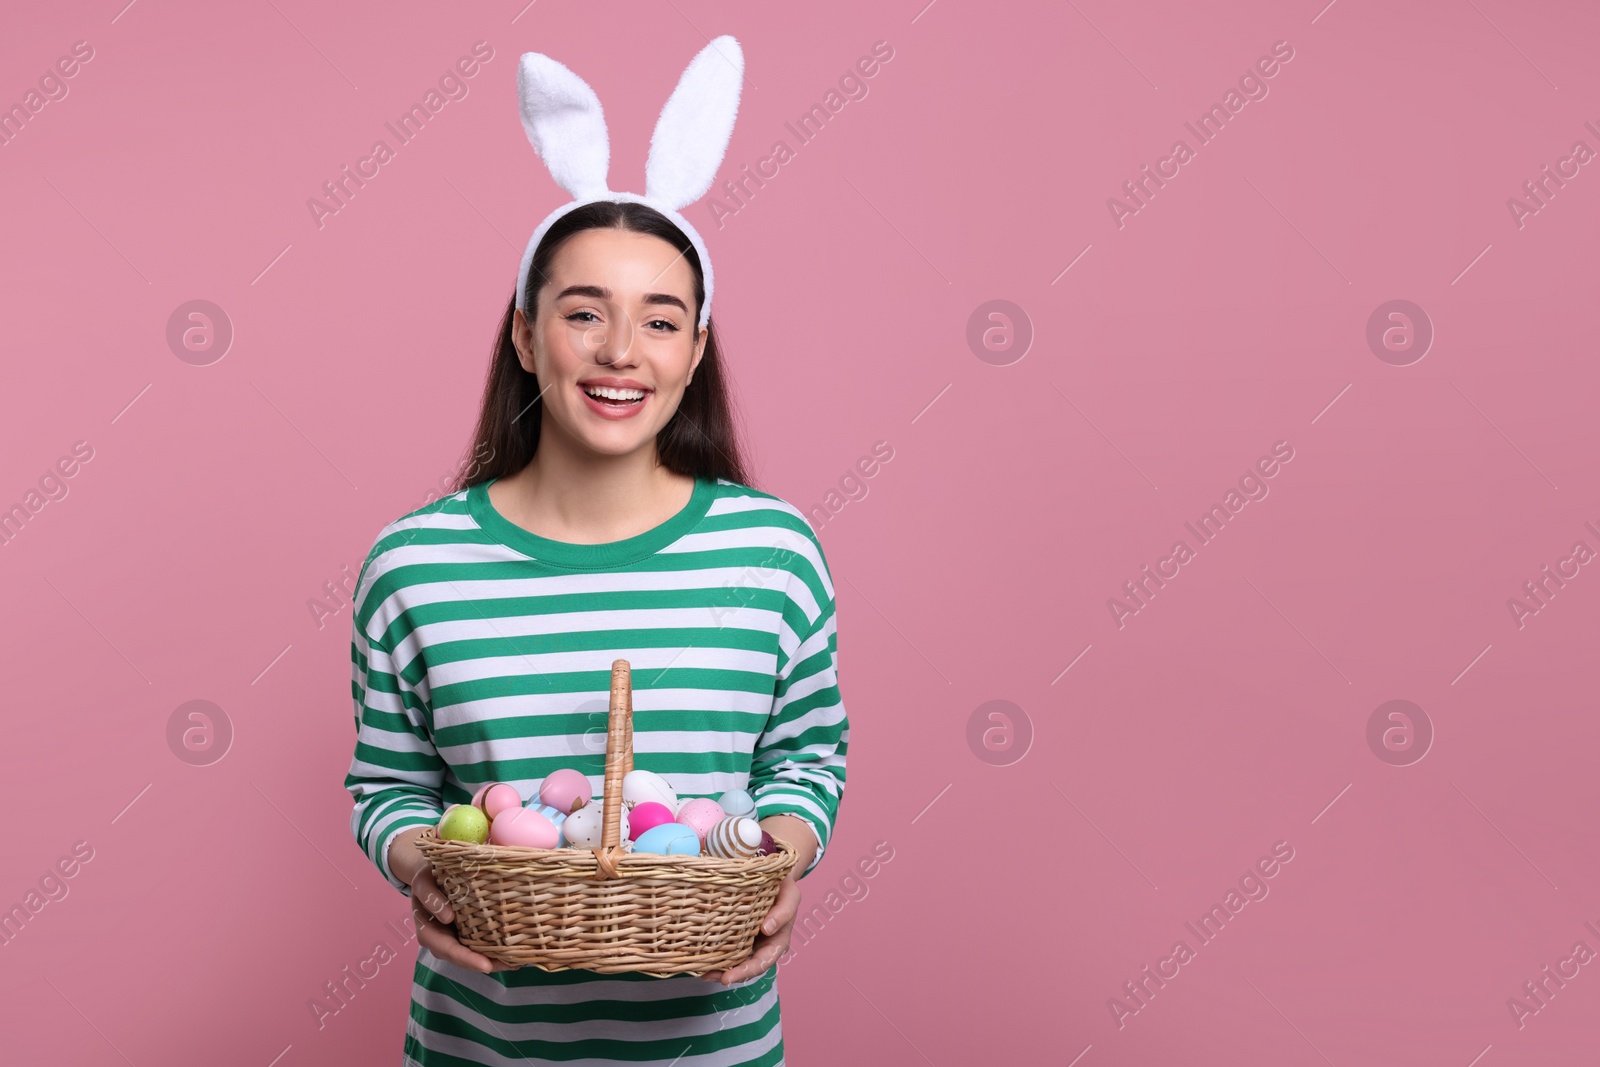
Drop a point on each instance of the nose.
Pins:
(612, 344)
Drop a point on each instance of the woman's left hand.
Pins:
(772, 942)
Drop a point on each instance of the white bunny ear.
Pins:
(695, 125)
(564, 123)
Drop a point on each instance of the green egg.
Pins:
(464, 822)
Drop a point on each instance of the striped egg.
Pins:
(555, 815)
(734, 838)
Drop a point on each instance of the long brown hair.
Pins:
(700, 440)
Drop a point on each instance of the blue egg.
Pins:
(688, 845)
(737, 802)
(669, 839)
(555, 815)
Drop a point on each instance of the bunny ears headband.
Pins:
(563, 120)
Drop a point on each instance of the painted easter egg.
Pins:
(565, 790)
(737, 802)
(734, 838)
(646, 816)
(768, 845)
(642, 787)
(585, 828)
(463, 822)
(669, 839)
(482, 795)
(687, 845)
(523, 828)
(496, 797)
(701, 815)
(555, 815)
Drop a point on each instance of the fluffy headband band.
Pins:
(563, 120)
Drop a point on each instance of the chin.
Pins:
(611, 448)
(616, 443)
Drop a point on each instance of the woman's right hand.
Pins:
(430, 908)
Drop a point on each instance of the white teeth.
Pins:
(614, 394)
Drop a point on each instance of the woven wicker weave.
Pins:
(604, 909)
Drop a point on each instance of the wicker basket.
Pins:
(604, 909)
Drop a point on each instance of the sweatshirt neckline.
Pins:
(582, 557)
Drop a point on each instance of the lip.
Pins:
(616, 383)
(606, 411)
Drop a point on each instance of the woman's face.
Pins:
(616, 313)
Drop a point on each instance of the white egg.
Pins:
(584, 828)
(640, 786)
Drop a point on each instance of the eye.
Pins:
(574, 316)
(668, 323)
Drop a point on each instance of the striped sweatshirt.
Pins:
(481, 652)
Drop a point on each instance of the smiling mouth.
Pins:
(615, 397)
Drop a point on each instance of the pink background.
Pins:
(1228, 314)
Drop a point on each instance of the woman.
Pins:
(613, 518)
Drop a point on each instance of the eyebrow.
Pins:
(600, 292)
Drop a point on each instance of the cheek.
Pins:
(669, 362)
(667, 402)
(563, 351)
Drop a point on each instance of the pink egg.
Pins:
(647, 816)
(565, 790)
(523, 828)
(497, 797)
(701, 815)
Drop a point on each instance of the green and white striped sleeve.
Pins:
(798, 766)
(396, 773)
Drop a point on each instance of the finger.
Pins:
(442, 943)
(766, 954)
(425, 889)
(758, 962)
(421, 920)
(784, 908)
(777, 928)
(749, 968)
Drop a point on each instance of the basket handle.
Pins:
(619, 761)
